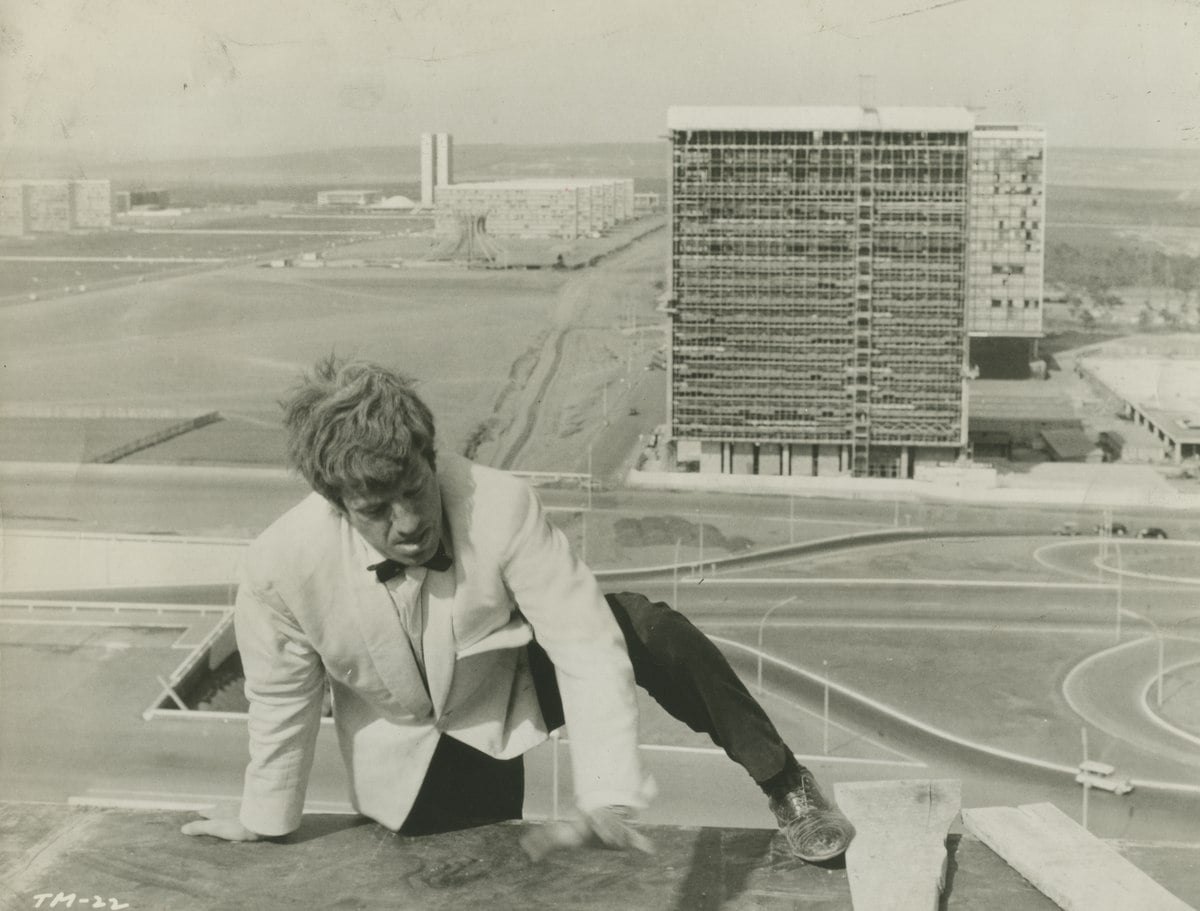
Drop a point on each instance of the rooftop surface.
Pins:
(941, 119)
(1168, 388)
(532, 183)
(140, 859)
(1018, 400)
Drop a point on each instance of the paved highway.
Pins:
(190, 760)
(62, 739)
(201, 500)
(1112, 691)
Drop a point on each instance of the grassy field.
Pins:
(136, 244)
(22, 278)
(1061, 559)
(1010, 701)
(70, 439)
(34, 280)
(235, 340)
(1118, 206)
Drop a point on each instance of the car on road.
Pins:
(1101, 775)
(1069, 529)
(1152, 532)
(1116, 530)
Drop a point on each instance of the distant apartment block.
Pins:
(151, 199)
(646, 204)
(14, 214)
(437, 152)
(1007, 246)
(818, 279)
(47, 206)
(92, 201)
(544, 207)
(348, 198)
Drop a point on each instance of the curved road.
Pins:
(1071, 603)
(1108, 690)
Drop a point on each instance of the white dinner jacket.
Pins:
(308, 609)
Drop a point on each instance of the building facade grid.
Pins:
(818, 281)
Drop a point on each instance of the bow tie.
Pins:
(386, 570)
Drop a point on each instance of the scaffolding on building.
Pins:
(818, 284)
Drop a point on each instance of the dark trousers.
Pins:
(672, 660)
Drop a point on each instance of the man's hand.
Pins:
(610, 826)
(613, 826)
(229, 828)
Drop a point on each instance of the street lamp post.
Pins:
(1158, 698)
(1086, 784)
(761, 626)
(825, 666)
(1120, 587)
(1161, 649)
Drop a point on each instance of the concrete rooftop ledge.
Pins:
(138, 859)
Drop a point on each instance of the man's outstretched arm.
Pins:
(284, 686)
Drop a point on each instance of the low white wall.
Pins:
(40, 560)
(955, 489)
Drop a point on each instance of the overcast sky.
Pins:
(178, 77)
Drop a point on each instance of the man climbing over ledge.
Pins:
(456, 629)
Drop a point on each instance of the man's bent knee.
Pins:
(667, 635)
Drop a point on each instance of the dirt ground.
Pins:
(602, 333)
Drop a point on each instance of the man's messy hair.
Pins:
(355, 428)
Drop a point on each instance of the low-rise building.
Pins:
(543, 207)
(348, 198)
(36, 206)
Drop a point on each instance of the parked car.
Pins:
(1152, 532)
(1116, 530)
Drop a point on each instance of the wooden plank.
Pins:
(1069, 865)
(897, 861)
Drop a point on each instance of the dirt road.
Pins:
(590, 365)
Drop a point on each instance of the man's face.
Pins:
(404, 523)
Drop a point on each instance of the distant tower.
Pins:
(428, 171)
(1007, 239)
(443, 158)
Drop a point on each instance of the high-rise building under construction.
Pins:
(819, 275)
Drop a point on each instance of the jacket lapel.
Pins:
(381, 630)
(438, 643)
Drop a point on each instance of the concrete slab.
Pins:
(139, 859)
